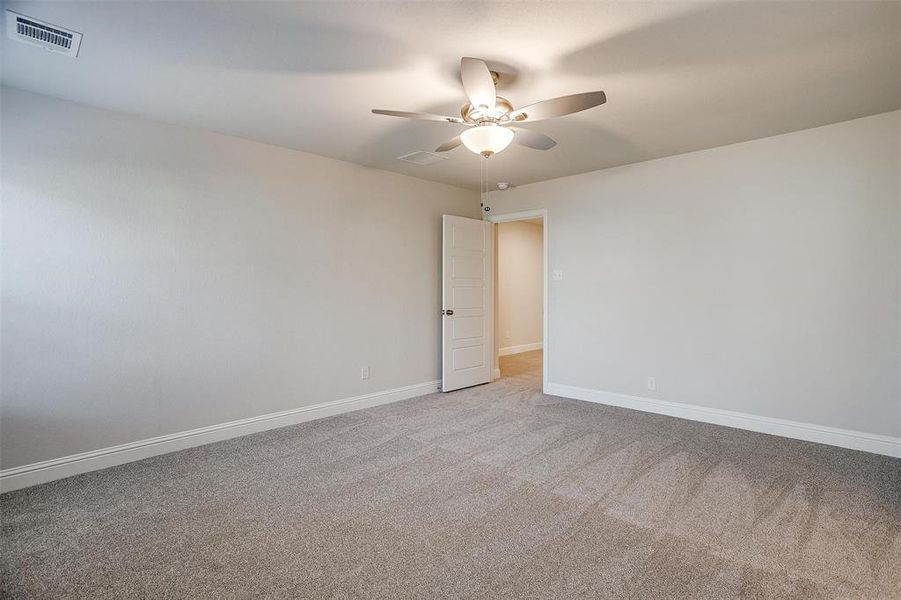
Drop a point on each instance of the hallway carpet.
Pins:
(496, 491)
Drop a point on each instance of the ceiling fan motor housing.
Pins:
(471, 114)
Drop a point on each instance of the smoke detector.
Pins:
(40, 33)
(503, 185)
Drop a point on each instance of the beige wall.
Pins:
(158, 279)
(761, 277)
(520, 285)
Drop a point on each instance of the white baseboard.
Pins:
(844, 438)
(66, 466)
(521, 348)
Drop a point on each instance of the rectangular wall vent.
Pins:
(39, 33)
(422, 158)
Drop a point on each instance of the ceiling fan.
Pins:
(490, 118)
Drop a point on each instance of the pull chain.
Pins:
(483, 184)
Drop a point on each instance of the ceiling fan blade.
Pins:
(449, 145)
(477, 82)
(557, 107)
(532, 139)
(414, 115)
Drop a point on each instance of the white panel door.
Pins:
(467, 329)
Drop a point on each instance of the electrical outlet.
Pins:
(652, 384)
(364, 372)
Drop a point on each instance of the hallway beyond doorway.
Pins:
(525, 365)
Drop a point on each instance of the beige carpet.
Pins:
(496, 491)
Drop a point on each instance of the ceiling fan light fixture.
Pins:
(486, 139)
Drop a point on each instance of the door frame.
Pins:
(545, 346)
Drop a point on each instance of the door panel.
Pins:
(465, 267)
(467, 298)
(467, 339)
(468, 327)
(469, 358)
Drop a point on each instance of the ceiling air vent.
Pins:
(39, 33)
(422, 158)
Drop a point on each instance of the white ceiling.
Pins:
(679, 76)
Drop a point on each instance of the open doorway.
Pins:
(520, 296)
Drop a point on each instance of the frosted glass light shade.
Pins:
(486, 139)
